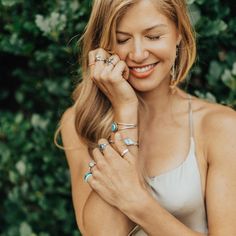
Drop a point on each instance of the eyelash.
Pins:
(122, 41)
(152, 38)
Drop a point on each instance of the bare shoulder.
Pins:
(218, 119)
(70, 138)
(218, 127)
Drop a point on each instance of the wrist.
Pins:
(126, 114)
(136, 207)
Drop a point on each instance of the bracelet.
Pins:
(115, 126)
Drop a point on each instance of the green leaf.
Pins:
(25, 230)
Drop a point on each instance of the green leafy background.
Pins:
(39, 70)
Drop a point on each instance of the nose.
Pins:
(138, 52)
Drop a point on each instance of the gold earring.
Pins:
(173, 80)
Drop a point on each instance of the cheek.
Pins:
(165, 50)
(122, 52)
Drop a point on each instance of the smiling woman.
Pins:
(147, 158)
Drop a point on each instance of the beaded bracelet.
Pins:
(115, 126)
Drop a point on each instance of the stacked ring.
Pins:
(110, 61)
(99, 58)
(87, 175)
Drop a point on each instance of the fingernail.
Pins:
(118, 136)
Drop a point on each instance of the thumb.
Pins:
(126, 72)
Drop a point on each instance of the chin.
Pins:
(144, 85)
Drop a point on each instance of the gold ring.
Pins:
(92, 64)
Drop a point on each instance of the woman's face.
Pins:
(146, 41)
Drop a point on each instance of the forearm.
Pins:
(102, 219)
(155, 220)
(96, 210)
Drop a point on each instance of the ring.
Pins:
(102, 146)
(109, 61)
(99, 58)
(91, 164)
(92, 63)
(124, 152)
(87, 175)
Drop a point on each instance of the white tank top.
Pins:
(179, 191)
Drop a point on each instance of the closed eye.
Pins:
(154, 37)
(119, 41)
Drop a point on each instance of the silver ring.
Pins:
(130, 142)
(99, 58)
(109, 61)
(91, 164)
(102, 146)
(124, 152)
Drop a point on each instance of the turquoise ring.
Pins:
(102, 146)
(87, 175)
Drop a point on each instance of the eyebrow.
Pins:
(145, 30)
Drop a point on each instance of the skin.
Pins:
(116, 192)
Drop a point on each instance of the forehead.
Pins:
(141, 15)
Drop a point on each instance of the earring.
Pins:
(173, 80)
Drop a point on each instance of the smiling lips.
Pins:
(142, 72)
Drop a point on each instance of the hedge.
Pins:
(39, 70)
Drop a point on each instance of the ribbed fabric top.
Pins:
(179, 190)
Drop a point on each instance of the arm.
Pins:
(219, 131)
(90, 209)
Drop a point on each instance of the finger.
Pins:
(109, 153)
(112, 61)
(122, 148)
(121, 69)
(98, 157)
(100, 59)
(106, 73)
(93, 62)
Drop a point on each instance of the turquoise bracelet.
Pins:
(115, 126)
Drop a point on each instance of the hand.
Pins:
(115, 178)
(111, 78)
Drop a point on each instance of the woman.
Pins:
(146, 157)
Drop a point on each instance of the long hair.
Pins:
(94, 113)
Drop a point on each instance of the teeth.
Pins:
(143, 69)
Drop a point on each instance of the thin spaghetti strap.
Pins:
(190, 115)
(134, 230)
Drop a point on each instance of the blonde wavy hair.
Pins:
(94, 113)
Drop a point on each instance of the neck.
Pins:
(157, 102)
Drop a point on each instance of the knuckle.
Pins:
(102, 140)
(104, 76)
(117, 57)
(121, 62)
(95, 173)
(100, 165)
